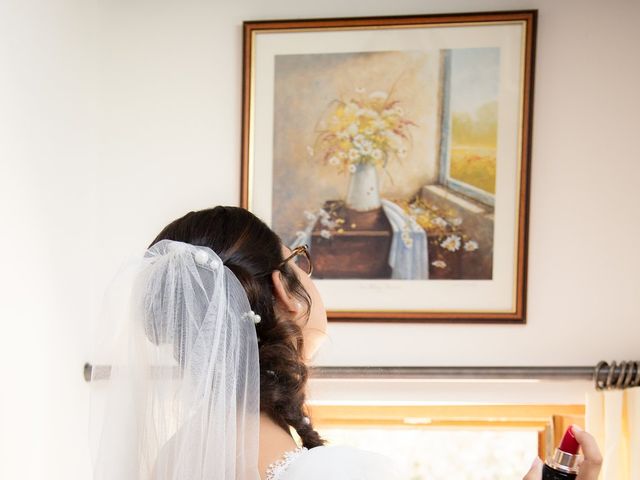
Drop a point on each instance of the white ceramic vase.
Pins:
(363, 194)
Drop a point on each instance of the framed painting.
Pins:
(398, 150)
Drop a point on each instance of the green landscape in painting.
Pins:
(473, 147)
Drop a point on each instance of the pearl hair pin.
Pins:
(201, 257)
(252, 315)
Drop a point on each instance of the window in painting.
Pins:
(469, 138)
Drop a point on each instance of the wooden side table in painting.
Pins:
(357, 247)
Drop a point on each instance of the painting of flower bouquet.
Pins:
(364, 134)
(360, 135)
(399, 162)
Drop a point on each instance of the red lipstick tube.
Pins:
(563, 464)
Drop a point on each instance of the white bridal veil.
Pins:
(182, 400)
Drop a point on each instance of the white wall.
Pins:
(47, 260)
(118, 116)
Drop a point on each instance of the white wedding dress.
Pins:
(336, 462)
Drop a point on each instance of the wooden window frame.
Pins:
(548, 420)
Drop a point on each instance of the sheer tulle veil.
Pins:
(182, 400)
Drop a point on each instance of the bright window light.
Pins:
(446, 453)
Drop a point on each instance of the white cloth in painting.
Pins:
(408, 256)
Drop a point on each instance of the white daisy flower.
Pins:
(352, 168)
(367, 148)
(451, 243)
(376, 154)
(456, 221)
(471, 245)
(324, 233)
(439, 264)
(334, 161)
(353, 154)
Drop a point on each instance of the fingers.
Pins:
(590, 466)
(535, 472)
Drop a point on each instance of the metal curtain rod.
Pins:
(606, 376)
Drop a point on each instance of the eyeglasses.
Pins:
(302, 258)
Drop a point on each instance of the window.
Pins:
(451, 441)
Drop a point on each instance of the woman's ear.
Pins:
(284, 301)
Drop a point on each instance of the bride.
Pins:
(212, 330)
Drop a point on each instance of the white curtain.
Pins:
(613, 418)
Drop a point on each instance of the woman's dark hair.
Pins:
(251, 250)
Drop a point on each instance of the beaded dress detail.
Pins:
(277, 468)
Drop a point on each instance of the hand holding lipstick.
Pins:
(588, 466)
(592, 462)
